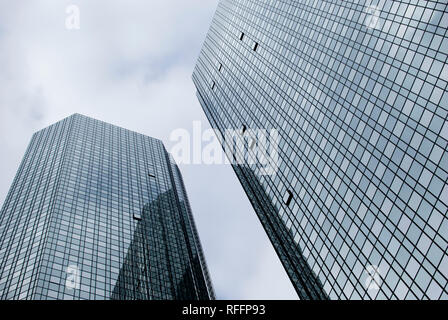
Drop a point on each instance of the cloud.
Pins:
(130, 64)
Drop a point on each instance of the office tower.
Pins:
(357, 92)
(99, 212)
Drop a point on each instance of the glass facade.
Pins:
(99, 212)
(358, 93)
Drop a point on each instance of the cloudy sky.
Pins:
(130, 64)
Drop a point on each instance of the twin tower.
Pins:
(357, 208)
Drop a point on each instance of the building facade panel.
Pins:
(358, 93)
(95, 213)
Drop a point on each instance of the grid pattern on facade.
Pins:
(94, 213)
(358, 92)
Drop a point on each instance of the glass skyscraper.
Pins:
(357, 91)
(99, 212)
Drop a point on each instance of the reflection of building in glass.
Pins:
(159, 262)
(289, 252)
(358, 93)
(99, 212)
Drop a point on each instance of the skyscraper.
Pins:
(357, 91)
(99, 212)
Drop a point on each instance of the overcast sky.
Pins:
(130, 64)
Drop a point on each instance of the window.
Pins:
(213, 85)
(255, 46)
(287, 197)
(137, 216)
(220, 67)
(151, 175)
(242, 36)
(244, 128)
